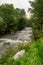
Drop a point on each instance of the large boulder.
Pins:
(19, 54)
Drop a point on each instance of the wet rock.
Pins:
(6, 44)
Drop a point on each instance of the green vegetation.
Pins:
(33, 55)
(11, 19)
(37, 17)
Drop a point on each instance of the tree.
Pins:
(37, 13)
(12, 18)
(2, 25)
(19, 12)
(22, 22)
(7, 12)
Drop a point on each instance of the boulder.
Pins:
(6, 44)
(19, 54)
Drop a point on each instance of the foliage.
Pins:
(37, 15)
(11, 19)
(22, 23)
(2, 25)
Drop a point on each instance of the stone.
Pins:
(19, 54)
(6, 44)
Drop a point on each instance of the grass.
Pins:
(33, 55)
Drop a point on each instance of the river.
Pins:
(24, 35)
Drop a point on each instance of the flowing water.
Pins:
(23, 36)
(20, 36)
